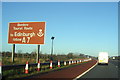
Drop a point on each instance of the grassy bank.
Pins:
(17, 60)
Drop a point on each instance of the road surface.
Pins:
(104, 71)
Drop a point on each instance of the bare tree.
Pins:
(70, 55)
(19, 53)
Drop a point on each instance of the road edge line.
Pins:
(85, 71)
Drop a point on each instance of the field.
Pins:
(8, 60)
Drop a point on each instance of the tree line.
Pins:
(45, 56)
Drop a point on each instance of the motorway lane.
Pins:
(117, 64)
(103, 71)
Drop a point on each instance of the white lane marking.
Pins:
(85, 72)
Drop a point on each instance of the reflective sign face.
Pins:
(26, 33)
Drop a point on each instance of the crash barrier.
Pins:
(28, 68)
(8, 67)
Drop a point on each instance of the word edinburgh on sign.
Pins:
(26, 33)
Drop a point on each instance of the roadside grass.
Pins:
(18, 60)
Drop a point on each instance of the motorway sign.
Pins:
(26, 33)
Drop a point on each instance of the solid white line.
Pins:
(85, 72)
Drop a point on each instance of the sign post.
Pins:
(38, 51)
(13, 52)
(26, 33)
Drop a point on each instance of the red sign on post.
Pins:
(26, 33)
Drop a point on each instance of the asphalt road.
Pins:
(104, 71)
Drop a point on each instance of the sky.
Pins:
(60, 0)
(78, 27)
(1, 26)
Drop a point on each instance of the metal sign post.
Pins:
(26, 33)
(38, 51)
(13, 52)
